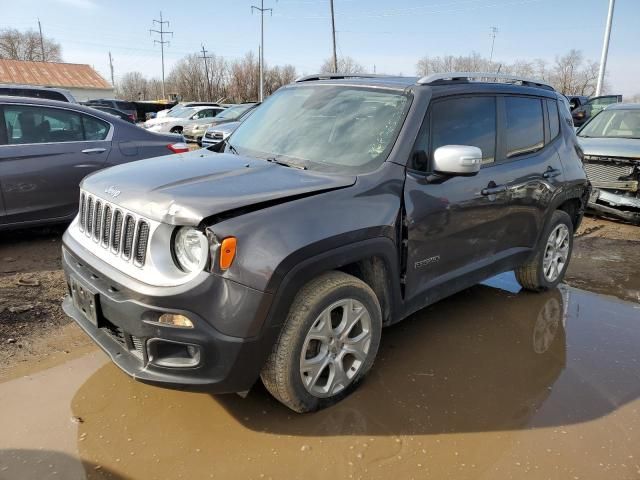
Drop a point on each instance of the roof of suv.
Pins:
(436, 80)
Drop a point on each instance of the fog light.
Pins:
(175, 320)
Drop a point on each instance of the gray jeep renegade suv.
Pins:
(342, 205)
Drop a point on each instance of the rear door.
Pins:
(47, 153)
(528, 167)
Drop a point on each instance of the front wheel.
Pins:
(327, 345)
(547, 268)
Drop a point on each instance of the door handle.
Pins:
(89, 151)
(493, 189)
(551, 173)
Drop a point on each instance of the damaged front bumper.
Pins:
(615, 205)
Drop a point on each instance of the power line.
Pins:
(261, 9)
(162, 32)
(494, 32)
(206, 70)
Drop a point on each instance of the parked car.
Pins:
(594, 105)
(116, 113)
(234, 114)
(169, 111)
(128, 107)
(611, 145)
(576, 101)
(343, 204)
(182, 118)
(47, 93)
(47, 147)
(149, 108)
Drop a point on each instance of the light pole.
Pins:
(605, 49)
(333, 32)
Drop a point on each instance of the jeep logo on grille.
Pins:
(113, 191)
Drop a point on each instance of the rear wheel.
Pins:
(547, 268)
(327, 345)
(176, 130)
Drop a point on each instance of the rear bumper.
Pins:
(225, 363)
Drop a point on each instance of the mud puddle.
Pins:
(488, 384)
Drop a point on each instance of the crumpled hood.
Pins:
(611, 147)
(186, 188)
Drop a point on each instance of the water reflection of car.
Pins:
(223, 125)
(611, 144)
(596, 104)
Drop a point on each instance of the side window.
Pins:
(524, 132)
(554, 119)
(94, 129)
(27, 124)
(465, 121)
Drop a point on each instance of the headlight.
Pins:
(190, 248)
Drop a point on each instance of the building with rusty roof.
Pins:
(81, 80)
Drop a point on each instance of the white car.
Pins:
(181, 118)
(168, 112)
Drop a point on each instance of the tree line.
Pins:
(217, 80)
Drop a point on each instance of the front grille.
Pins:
(133, 344)
(114, 229)
(610, 175)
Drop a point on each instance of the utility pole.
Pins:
(605, 48)
(333, 34)
(261, 9)
(494, 32)
(162, 32)
(206, 70)
(111, 68)
(41, 41)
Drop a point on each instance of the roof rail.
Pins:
(481, 76)
(336, 76)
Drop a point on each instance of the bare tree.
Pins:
(244, 79)
(345, 65)
(17, 45)
(132, 86)
(569, 74)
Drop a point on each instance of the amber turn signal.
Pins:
(227, 252)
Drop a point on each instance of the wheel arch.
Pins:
(374, 261)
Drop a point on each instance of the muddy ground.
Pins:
(487, 384)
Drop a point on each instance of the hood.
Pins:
(611, 147)
(228, 127)
(184, 189)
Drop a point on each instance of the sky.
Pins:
(392, 35)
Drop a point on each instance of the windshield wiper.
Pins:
(232, 149)
(285, 164)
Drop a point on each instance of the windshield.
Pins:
(232, 113)
(329, 128)
(184, 113)
(613, 124)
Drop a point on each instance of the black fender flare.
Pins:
(299, 272)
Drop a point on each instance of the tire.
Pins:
(317, 324)
(535, 274)
(176, 130)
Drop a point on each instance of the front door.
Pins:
(452, 221)
(47, 153)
